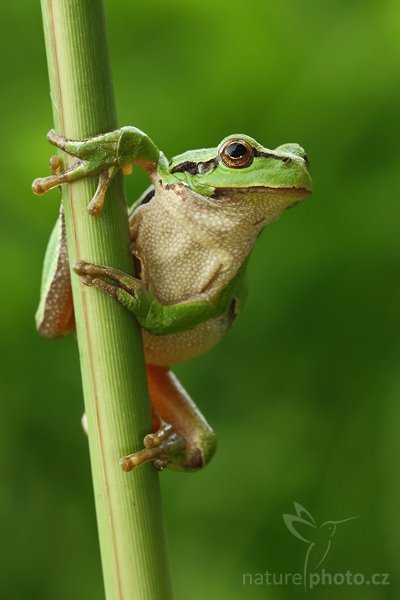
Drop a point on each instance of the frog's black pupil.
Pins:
(236, 150)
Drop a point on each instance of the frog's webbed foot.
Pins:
(158, 447)
(95, 156)
(161, 447)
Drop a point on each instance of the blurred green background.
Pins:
(304, 392)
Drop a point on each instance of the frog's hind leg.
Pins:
(183, 440)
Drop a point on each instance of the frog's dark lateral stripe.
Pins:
(195, 168)
(143, 199)
(284, 159)
(148, 196)
(187, 166)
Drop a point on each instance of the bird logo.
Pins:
(318, 537)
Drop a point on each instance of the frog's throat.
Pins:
(227, 226)
(175, 201)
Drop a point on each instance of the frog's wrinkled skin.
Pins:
(192, 233)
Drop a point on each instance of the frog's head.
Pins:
(243, 171)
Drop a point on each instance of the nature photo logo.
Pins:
(318, 540)
(317, 537)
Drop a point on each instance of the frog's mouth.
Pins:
(300, 192)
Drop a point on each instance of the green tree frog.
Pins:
(192, 232)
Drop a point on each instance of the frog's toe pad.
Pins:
(81, 267)
(39, 186)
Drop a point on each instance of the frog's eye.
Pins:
(237, 153)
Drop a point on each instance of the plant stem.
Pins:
(128, 506)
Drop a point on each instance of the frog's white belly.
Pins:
(168, 350)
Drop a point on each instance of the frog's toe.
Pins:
(55, 139)
(55, 164)
(155, 439)
(162, 447)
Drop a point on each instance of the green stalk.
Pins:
(128, 506)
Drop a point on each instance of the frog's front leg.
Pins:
(154, 317)
(101, 155)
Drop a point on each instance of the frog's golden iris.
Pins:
(237, 153)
